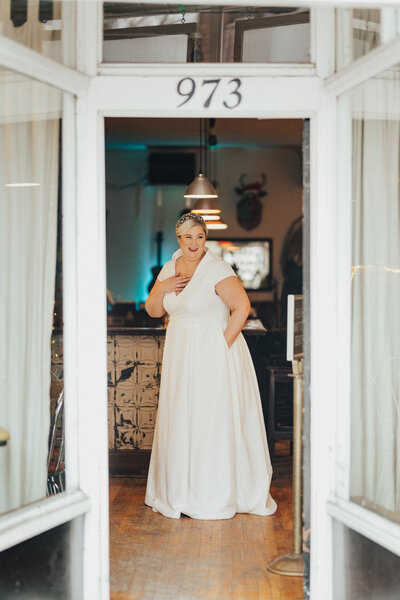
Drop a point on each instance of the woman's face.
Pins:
(192, 243)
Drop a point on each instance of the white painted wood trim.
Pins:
(388, 24)
(373, 63)
(369, 524)
(284, 3)
(344, 38)
(91, 340)
(323, 340)
(128, 96)
(208, 69)
(89, 37)
(19, 58)
(26, 522)
(343, 305)
(91, 332)
(323, 40)
(70, 291)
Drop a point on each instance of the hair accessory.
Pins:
(192, 216)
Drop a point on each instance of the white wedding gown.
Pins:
(210, 456)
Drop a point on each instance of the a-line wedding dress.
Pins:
(210, 456)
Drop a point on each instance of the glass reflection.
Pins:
(366, 31)
(30, 272)
(375, 429)
(46, 27)
(167, 33)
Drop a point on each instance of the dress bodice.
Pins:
(198, 301)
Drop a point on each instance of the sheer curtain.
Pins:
(366, 31)
(29, 146)
(375, 469)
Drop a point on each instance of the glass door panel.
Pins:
(46, 27)
(31, 322)
(375, 333)
(366, 29)
(363, 570)
(158, 33)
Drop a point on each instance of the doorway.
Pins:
(188, 556)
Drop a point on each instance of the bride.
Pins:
(210, 455)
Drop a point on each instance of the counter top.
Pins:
(251, 327)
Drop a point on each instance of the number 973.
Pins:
(187, 88)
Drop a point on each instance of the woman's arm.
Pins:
(154, 303)
(231, 291)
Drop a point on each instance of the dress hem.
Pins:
(264, 512)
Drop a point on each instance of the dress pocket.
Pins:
(224, 342)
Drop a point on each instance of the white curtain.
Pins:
(366, 31)
(375, 470)
(29, 147)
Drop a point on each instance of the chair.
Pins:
(280, 406)
(55, 458)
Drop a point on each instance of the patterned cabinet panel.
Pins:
(134, 384)
(110, 361)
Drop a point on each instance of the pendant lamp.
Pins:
(213, 223)
(201, 187)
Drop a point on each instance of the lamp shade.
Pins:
(210, 217)
(219, 224)
(201, 187)
(206, 206)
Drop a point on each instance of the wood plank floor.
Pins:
(153, 557)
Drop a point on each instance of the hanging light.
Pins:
(208, 217)
(201, 187)
(215, 224)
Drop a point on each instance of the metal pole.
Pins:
(297, 427)
(292, 564)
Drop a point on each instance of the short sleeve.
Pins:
(165, 271)
(221, 271)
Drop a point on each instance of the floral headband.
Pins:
(190, 216)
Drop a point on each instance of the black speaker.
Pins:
(171, 168)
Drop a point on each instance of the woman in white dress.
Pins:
(210, 456)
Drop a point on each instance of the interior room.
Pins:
(256, 166)
(110, 114)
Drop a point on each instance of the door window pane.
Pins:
(362, 570)
(48, 566)
(375, 428)
(31, 345)
(46, 27)
(366, 31)
(206, 33)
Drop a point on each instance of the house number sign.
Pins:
(210, 93)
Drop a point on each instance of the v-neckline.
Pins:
(194, 273)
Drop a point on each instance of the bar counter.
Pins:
(134, 359)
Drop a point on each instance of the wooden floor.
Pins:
(153, 557)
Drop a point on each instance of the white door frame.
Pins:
(369, 524)
(84, 258)
(309, 93)
(273, 92)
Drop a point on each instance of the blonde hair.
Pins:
(187, 221)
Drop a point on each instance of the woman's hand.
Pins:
(176, 283)
(231, 291)
(154, 303)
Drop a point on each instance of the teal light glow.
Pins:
(114, 145)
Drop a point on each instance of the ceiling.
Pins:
(255, 133)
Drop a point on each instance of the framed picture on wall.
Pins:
(250, 258)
